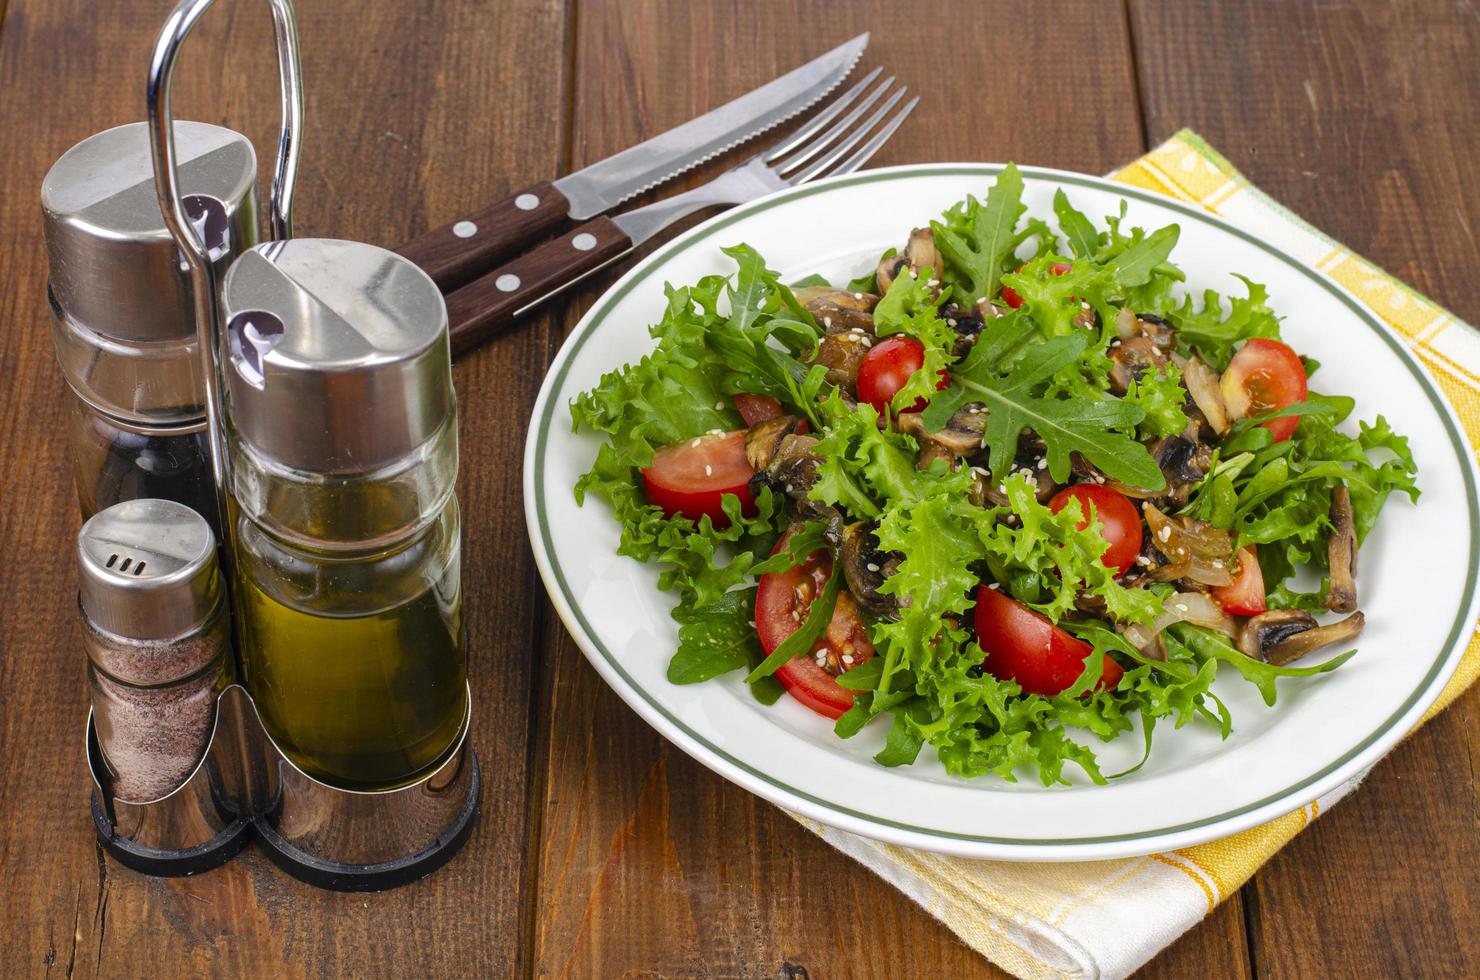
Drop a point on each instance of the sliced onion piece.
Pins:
(1197, 608)
(1202, 385)
(1195, 549)
(1125, 323)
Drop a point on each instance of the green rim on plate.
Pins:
(707, 232)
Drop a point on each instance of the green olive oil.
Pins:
(367, 701)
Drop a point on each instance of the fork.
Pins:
(824, 146)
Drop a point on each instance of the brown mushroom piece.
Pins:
(1131, 359)
(863, 565)
(961, 436)
(1184, 462)
(1282, 636)
(861, 302)
(1341, 553)
(841, 354)
(763, 441)
(919, 254)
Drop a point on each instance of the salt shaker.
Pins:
(158, 643)
(123, 319)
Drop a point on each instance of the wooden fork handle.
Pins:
(461, 249)
(491, 302)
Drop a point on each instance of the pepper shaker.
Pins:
(157, 637)
(122, 307)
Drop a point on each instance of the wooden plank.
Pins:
(1364, 119)
(650, 864)
(413, 112)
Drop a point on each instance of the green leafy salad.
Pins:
(1015, 488)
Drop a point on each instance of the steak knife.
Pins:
(461, 249)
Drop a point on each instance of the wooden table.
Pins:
(602, 851)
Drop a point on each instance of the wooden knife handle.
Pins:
(461, 249)
(491, 302)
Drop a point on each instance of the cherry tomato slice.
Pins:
(886, 368)
(781, 605)
(757, 408)
(692, 477)
(1010, 296)
(1120, 522)
(1244, 596)
(1024, 647)
(1265, 376)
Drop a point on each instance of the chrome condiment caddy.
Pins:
(313, 379)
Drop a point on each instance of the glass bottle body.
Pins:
(356, 658)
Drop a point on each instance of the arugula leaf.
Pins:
(1135, 264)
(1084, 240)
(978, 239)
(868, 282)
(1215, 646)
(801, 641)
(714, 639)
(1065, 426)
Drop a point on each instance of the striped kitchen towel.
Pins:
(1103, 919)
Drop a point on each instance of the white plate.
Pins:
(1417, 582)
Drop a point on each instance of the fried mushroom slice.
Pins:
(763, 441)
(919, 254)
(1282, 636)
(1341, 552)
(860, 302)
(1131, 360)
(841, 354)
(961, 436)
(863, 568)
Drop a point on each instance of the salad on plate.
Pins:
(1014, 487)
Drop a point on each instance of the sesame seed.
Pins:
(1084, 306)
(719, 406)
(708, 470)
(1143, 561)
(827, 321)
(858, 296)
(1043, 463)
(1114, 343)
(695, 444)
(933, 282)
(872, 566)
(950, 322)
(847, 658)
(1002, 488)
(1164, 533)
(993, 586)
(1180, 606)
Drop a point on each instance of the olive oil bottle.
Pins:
(341, 446)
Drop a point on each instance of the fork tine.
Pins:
(824, 117)
(837, 152)
(838, 129)
(880, 138)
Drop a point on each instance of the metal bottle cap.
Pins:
(122, 303)
(337, 358)
(147, 570)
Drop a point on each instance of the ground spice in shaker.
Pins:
(155, 628)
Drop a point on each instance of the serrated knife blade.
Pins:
(604, 185)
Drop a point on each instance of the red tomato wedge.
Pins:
(781, 605)
(1010, 296)
(1024, 647)
(886, 368)
(1244, 596)
(1120, 522)
(1265, 376)
(757, 408)
(692, 477)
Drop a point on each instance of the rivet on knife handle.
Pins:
(493, 301)
(461, 249)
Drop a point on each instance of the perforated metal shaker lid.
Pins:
(114, 268)
(337, 358)
(147, 570)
